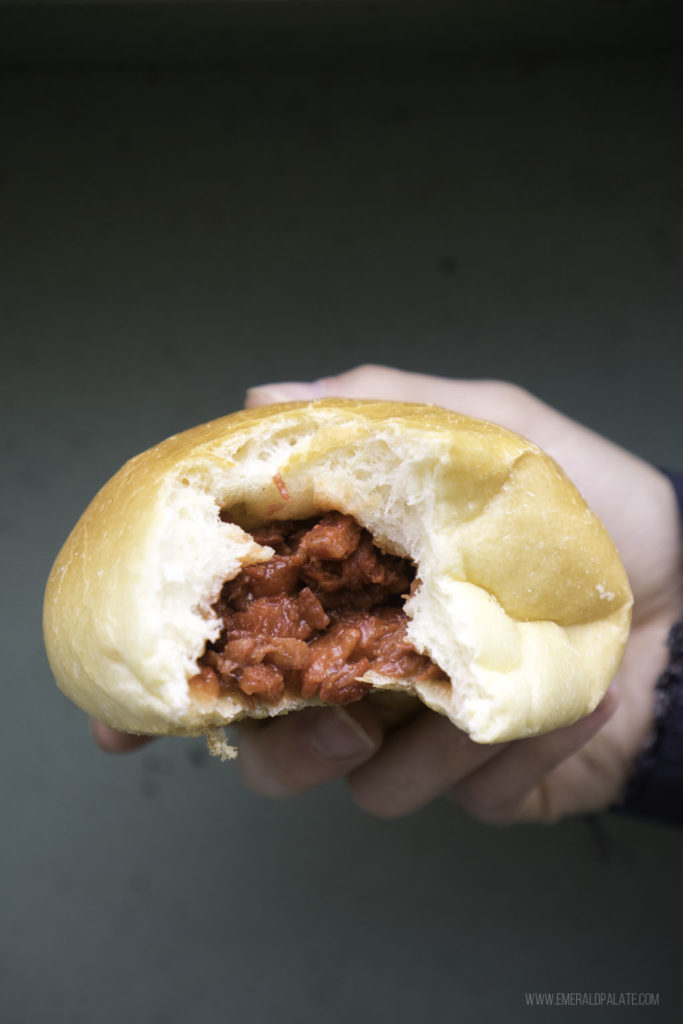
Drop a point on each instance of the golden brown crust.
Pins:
(524, 601)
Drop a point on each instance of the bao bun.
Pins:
(523, 601)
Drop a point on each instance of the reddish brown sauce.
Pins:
(323, 611)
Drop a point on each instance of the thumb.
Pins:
(292, 391)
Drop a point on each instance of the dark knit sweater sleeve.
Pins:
(655, 789)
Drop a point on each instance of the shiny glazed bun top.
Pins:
(519, 598)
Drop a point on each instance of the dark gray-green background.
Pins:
(175, 232)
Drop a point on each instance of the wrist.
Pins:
(655, 786)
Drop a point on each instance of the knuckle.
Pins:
(369, 377)
(261, 781)
(509, 394)
(549, 810)
(368, 800)
(257, 766)
(486, 805)
(367, 370)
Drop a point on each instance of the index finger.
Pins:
(308, 748)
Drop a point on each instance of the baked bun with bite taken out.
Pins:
(322, 552)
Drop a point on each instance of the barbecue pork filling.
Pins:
(326, 609)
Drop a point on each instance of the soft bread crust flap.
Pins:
(523, 601)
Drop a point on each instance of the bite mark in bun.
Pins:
(314, 619)
(508, 610)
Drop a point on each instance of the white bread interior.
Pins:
(523, 600)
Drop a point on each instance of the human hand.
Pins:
(573, 770)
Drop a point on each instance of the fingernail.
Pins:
(267, 394)
(115, 742)
(100, 733)
(339, 737)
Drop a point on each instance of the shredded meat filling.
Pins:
(323, 611)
